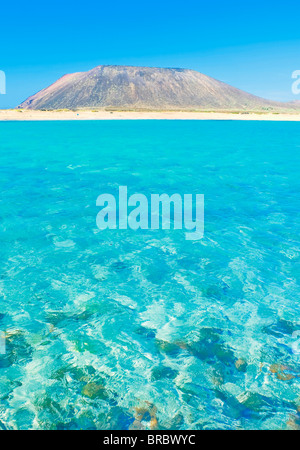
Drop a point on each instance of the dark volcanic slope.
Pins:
(126, 87)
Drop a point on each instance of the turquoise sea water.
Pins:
(123, 329)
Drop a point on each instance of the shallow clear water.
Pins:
(139, 329)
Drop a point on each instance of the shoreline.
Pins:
(35, 115)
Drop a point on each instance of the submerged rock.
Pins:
(282, 372)
(169, 348)
(241, 365)
(161, 372)
(146, 413)
(94, 390)
(294, 423)
(18, 351)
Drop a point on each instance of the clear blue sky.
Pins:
(251, 45)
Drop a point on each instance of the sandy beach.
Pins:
(29, 115)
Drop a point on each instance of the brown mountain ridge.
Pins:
(147, 88)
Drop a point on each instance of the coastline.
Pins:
(35, 115)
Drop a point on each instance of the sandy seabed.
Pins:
(24, 115)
